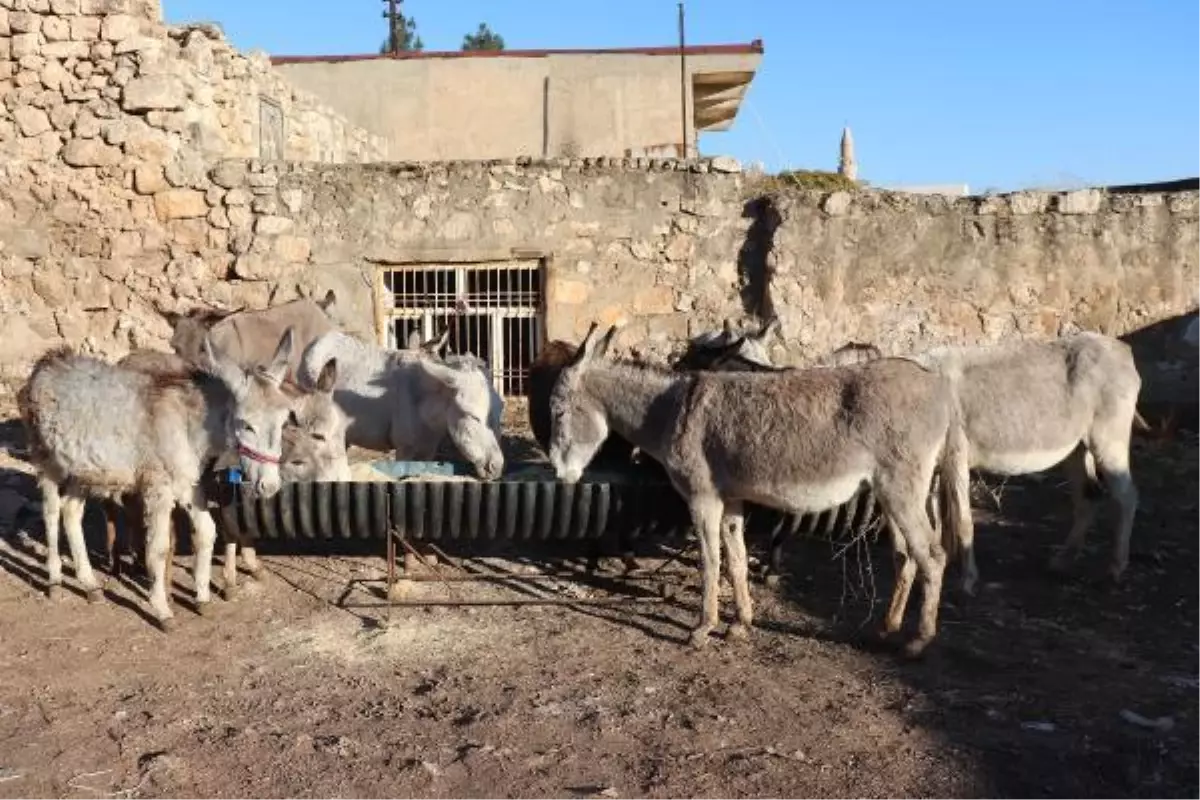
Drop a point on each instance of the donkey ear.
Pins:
(435, 345)
(771, 323)
(216, 363)
(327, 380)
(414, 340)
(586, 348)
(277, 370)
(327, 301)
(606, 342)
(727, 328)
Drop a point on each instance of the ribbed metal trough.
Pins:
(617, 509)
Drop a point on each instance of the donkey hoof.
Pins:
(203, 607)
(738, 632)
(772, 580)
(166, 624)
(95, 594)
(259, 575)
(699, 638)
(54, 592)
(915, 648)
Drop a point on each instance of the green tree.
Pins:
(402, 36)
(483, 39)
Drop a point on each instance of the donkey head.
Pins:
(435, 347)
(189, 330)
(721, 351)
(314, 440)
(578, 424)
(464, 394)
(259, 411)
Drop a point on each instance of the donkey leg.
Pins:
(909, 515)
(733, 528)
(706, 517)
(229, 569)
(906, 572)
(253, 565)
(51, 514)
(1083, 491)
(204, 534)
(1110, 445)
(112, 509)
(158, 508)
(72, 514)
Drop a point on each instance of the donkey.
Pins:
(543, 374)
(1029, 405)
(408, 402)
(798, 441)
(248, 336)
(314, 449)
(710, 350)
(170, 427)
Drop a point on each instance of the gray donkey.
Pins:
(314, 449)
(1027, 406)
(168, 428)
(798, 441)
(727, 351)
(249, 336)
(409, 401)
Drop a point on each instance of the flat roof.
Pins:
(754, 47)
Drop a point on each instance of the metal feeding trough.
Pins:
(606, 512)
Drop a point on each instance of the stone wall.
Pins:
(117, 203)
(110, 123)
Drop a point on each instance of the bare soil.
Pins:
(291, 691)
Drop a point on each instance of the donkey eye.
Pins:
(320, 437)
(245, 427)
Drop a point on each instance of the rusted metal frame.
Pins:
(395, 536)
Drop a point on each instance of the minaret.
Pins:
(847, 167)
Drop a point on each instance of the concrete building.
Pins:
(501, 104)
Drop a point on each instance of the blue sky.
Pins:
(998, 95)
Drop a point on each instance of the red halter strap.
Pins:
(255, 455)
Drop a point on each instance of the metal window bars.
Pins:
(494, 310)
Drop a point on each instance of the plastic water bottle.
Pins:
(233, 475)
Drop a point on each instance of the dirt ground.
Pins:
(292, 691)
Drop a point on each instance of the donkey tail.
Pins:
(1139, 422)
(954, 489)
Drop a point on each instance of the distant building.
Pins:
(502, 104)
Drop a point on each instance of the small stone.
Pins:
(124, 245)
(24, 44)
(239, 217)
(65, 50)
(56, 29)
(54, 76)
(218, 218)
(1084, 201)
(272, 226)
(31, 121)
(292, 248)
(148, 179)
(229, 175)
(180, 204)
(119, 26)
(654, 300)
(836, 204)
(237, 197)
(65, 8)
(24, 22)
(85, 28)
(292, 199)
(158, 92)
(90, 153)
(724, 164)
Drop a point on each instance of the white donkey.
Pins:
(168, 428)
(409, 401)
(800, 441)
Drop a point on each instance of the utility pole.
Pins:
(683, 142)
(390, 15)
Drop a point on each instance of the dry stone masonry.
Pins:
(132, 182)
